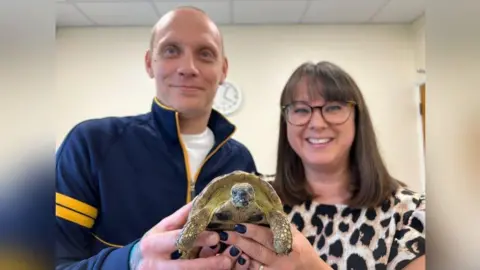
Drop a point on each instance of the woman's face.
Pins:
(318, 143)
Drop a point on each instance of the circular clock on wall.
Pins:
(228, 98)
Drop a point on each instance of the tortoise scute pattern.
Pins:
(231, 199)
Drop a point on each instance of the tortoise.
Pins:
(234, 198)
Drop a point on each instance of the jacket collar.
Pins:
(167, 120)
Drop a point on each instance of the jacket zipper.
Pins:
(192, 190)
(190, 180)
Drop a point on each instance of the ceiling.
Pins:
(71, 13)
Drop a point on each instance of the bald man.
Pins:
(118, 177)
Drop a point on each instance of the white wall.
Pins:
(100, 72)
(418, 28)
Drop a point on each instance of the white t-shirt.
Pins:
(198, 146)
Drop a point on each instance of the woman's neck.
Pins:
(329, 187)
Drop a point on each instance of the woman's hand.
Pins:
(240, 260)
(257, 243)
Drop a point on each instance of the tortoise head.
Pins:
(242, 194)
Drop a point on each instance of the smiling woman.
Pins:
(339, 136)
(332, 178)
(349, 211)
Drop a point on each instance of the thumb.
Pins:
(295, 230)
(219, 262)
(176, 220)
(163, 244)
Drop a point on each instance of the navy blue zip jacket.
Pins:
(117, 177)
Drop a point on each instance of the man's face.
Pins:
(187, 62)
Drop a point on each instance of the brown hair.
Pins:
(371, 182)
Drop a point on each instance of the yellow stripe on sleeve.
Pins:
(76, 205)
(74, 217)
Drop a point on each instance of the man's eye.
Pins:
(206, 54)
(169, 51)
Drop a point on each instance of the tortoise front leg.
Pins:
(196, 224)
(282, 234)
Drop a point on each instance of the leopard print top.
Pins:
(387, 237)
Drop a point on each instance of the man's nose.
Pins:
(187, 66)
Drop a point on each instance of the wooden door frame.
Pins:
(422, 105)
(420, 93)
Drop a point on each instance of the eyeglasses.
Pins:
(299, 113)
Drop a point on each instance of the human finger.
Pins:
(260, 234)
(250, 247)
(255, 265)
(206, 252)
(233, 253)
(243, 262)
(211, 263)
(294, 229)
(175, 220)
(164, 243)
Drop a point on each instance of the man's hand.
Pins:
(155, 248)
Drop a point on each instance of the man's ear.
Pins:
(148, 63)
(224, 70)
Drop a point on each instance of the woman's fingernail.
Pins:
(175, 255)
(234, 251)
(241, 260)
(223, 236)
(240, 228)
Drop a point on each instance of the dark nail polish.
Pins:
(240, 228)
(223, 236)
(241, 260)
(213, 247)
(223, 246)
(175, 255)
(234, 251)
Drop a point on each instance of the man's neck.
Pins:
(193, 125)
(329, 186)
